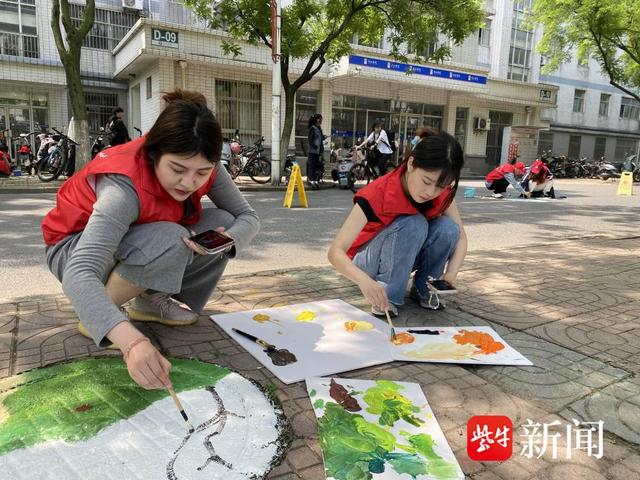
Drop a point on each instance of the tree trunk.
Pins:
(289, 101)
(78, 123)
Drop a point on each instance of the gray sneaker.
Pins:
(437, 303)
(159, 307)
(393, 311)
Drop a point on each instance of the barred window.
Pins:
(100, 107)
(629, 108)
(239, 106)
(578, 101)
(108, 29)
(18, 32)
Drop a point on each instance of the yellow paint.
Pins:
(261, 318)
(443, 351)
(358, 326)
(306, 316)
(295, 181)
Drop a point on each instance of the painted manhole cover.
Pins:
(87, 419)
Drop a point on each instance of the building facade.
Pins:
(491, 81)
(592, 118)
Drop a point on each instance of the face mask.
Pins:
(415, 141)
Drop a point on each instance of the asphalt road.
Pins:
(300, 237)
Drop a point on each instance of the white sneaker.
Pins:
(497, 195)
(159, 307)
(393, 311)
(429, 303)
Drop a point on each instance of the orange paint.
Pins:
(403, 338)
(481, 340)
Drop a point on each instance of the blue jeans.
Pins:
(410, 243)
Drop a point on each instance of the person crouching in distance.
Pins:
(499, 179)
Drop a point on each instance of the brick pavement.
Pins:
(573, 310)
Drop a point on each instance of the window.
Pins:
(462, 116)
(629, 108)
(545, 143)
(484, 34)
(521, 43)
(109, 26)
(426, 52)
(574, 146)
(603, 111)
(600, 147)
(306, 105)
(578, 101)
(624, 148)
(239, 106)
(358, 41)
(18, 32)
(100, 107)
(150, 87)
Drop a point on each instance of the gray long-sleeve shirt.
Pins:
(84, 272)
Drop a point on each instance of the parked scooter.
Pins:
(609, 170)
(344, 162)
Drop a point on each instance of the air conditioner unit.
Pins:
(480, 123)
(133, 4)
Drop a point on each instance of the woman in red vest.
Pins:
(121, 226)
(501, 177)
(405, 221)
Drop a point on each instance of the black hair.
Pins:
(439, 151)
(118, 110)
(313, 119)
(185, 127)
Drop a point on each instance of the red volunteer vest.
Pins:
(498, 173)
(75, 200)
(388, 201)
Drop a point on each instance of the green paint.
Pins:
(438, 467)
(385, 400)
(42, 406)
(318, 404)
(355, 449)
(313, 392)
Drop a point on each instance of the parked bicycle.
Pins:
(250, 161)
(363, 171)
(59, 159)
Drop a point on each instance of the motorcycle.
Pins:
(98, 144)
(609, 170)
(343, 165)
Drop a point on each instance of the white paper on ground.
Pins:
(318, 390)
(142, 446)
(444, 348)
(322, 346)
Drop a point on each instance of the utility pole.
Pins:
(276, 89)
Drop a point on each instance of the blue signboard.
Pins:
(417, 69)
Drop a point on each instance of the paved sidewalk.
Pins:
(574, 311)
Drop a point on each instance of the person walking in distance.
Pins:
(116, 130)
(316, 149)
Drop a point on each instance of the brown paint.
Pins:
(85, 407)
(281, 356)
(340, 395)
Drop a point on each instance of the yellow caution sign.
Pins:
(295, 181)
(625, 187)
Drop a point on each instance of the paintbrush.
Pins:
(253, 338)
(176, 400)
(393, 330)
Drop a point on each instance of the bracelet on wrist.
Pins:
(131, 345)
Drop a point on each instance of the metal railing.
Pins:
(19, 45)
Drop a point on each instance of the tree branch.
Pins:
(69, 28)
(259, 33)
(55, 27)
(87, 22)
